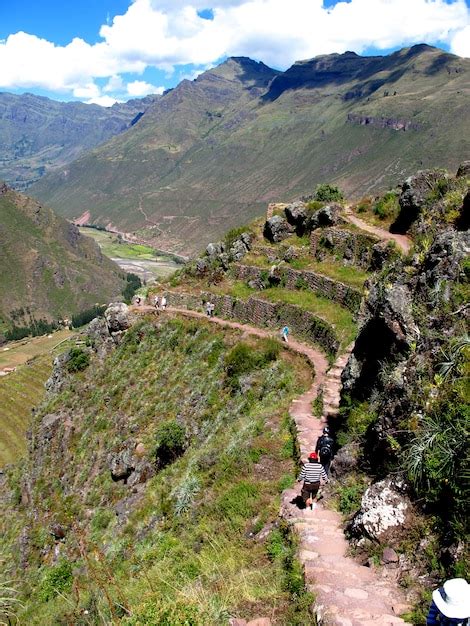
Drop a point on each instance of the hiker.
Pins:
(163, 303)
(285, 333)
(212, 309)
(313, 474)
(156, 302)
(324, 448)
(450, 604)
(209, 308)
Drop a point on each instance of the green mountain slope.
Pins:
(211, 153)
(49, 270)
(38, 134)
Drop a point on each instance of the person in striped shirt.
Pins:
(313, 474)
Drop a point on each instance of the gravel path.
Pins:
(402, 241)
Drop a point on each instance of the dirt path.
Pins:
(347, 594)
(402, 241)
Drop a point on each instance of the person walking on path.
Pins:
(163, 303)
(285, 333)
(313, 474)
(156, 302)
(210, 306)
(450, 604)
(324, 448)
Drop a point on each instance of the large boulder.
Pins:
(296, 214)
(129, 465)
(328, 215)
(58, 378)
(414, 193)
(385, 510)
(214, 249)
(117, 317)
(464, 170)
(277, 228)
(442, 264)
(238, 250)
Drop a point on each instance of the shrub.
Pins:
(78, 360)
(328, 193)
(243, 359)
(57, 579)
(170, 443)
(387, 206)
(36, 328)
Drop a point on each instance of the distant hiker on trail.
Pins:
(313, 474)
(324, 448)
(163, 303)
(285, 333)
(137, 300)
(210, 308)
(156, 302)
(450, 604)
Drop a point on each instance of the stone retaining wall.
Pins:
(296, 279)
(262, 313)
(355, 248)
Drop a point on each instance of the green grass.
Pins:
(185, 545)
(111, 247)
(336, 315)
(347, 274)
(20, 391)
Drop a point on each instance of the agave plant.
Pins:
(9, 603)
(452, 358)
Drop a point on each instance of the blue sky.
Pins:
(107, 50)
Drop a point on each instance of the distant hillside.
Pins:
(38, 134)
(49, 270)
(211, 153)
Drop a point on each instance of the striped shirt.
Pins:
(312, 472)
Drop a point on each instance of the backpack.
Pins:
(326, 450)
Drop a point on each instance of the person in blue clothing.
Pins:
(450, 604)
(285, 333)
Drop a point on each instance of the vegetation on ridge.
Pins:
(186, 548)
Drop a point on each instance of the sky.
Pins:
(104, 51)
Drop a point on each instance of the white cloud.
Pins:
(140, 88)
(460, 43)
(167, 33)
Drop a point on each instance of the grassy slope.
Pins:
(47, 267)
(184, 547)
(20, 391)
(224, 170)
(23, 389)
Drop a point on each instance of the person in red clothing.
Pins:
(450, 604)
(313, 474)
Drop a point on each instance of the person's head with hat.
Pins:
(452, 601)
(313, 457)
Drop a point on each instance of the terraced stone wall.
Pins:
(262, 313)
(298, 279)
(354, 248)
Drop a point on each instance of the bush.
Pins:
(387, 206)
(328, 193)
(243, 359)
(78, 360)
(57, 579)
(156, 614)
(170, 443)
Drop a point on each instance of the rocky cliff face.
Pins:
(409, 366)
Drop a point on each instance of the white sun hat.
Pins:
(453, 599)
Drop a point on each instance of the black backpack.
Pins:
(326, 451)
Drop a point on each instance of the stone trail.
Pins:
(347, 594)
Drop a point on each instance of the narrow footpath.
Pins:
(347, 594)
(402, 241)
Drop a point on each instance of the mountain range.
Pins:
(49, 270)
(38, 134)
(211, 153)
